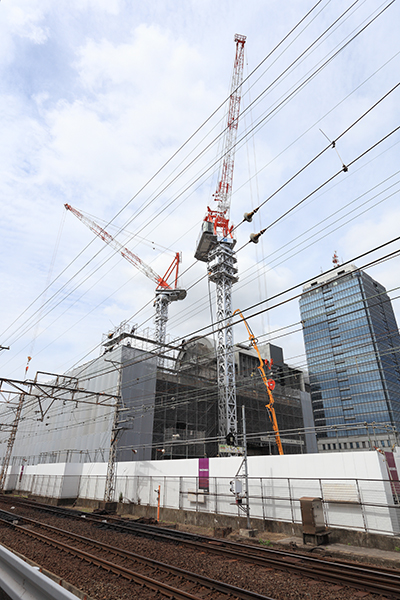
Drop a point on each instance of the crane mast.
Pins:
(165, 292)
(215, 246)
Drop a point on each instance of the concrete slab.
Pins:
(248, 533)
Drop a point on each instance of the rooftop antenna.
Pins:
(335, 259)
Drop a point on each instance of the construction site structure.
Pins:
(59, 388)
(165, 292)
(269, 384)
(215, 247)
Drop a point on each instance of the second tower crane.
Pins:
(165, 292)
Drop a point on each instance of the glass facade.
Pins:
(352, 345)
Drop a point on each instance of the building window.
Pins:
(351, 444)
(323, 447)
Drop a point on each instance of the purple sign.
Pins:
(204, 473)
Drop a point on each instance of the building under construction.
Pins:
(163, 413)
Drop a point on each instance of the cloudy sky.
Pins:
(98, 103)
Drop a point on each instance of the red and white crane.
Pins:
(215, 247)
(165, 292)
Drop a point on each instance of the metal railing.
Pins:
(369, 505)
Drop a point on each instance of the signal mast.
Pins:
(165, 292)
(215, 247)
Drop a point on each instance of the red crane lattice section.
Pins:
(220, 216)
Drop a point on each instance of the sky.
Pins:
(117, 109)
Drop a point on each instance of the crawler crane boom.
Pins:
(269, 384)
(165, 292)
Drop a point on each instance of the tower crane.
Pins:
(165, 292)
(269, 384)
(215, 247)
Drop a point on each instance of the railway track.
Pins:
(379, 581)
(170, 581)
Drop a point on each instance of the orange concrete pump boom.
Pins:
(269, 384)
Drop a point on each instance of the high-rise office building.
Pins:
(353, 352)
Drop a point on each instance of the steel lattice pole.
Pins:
(223, 273)
(162, 301)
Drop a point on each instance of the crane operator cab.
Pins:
(206, 242)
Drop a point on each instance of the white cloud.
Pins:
(21, 20)
(372, 232)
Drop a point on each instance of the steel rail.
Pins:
(211, 584)
(382, 581)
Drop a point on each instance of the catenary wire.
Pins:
(222, 325)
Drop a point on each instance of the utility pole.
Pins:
(60, 387)
(236, 486)
(110, 478)
(109, 489)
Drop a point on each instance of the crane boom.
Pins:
(269, 384)
(224, 189)
(126, 253)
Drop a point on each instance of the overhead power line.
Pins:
(202, 331)
(255, 237)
